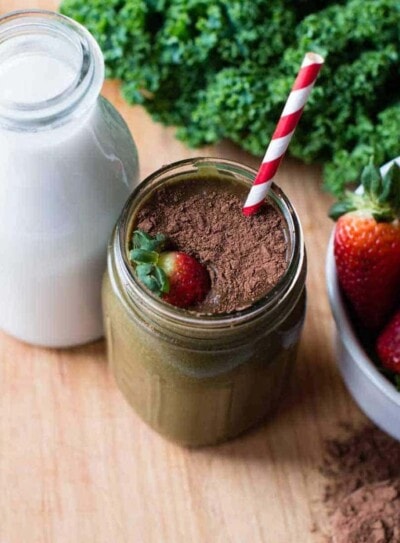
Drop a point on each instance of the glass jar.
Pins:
(201, 379)
(67, 165)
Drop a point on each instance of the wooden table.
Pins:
(77, 465)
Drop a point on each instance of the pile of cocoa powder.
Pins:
(363, 488)
(245, 256)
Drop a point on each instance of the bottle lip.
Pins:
(140, 296)
(79, 94)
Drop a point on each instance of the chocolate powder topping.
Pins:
(245, 256)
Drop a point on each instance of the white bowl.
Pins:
(374, 394)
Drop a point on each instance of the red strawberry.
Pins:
(388, 344)
(367, 246)
(189, 281)
(175, 276)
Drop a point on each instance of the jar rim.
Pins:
(81, 91)
(139, 294)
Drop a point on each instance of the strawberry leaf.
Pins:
(396, 188)
(387, 186)
(145, 274)
(144, 269)
(380, 198)
(145, 255)
(341, 208)
(141, 256)
(370, 178)
(383, 215)
(151, 283)
(139, 238)
(162, 279)
(142, 240)
(389, 195)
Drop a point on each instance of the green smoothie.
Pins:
(203, 375)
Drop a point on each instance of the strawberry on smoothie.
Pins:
(178, 278)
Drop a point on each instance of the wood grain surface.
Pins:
(77, 465)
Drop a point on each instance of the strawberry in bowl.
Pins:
(363, 280)
(388, 346)
(367, 246)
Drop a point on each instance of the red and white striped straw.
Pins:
(284, 131)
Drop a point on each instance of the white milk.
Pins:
(62, 188)
(32, 78)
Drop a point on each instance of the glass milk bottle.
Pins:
(67, 165)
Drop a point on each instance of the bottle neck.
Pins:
(51, 70)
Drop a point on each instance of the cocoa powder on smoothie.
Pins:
(245, 256)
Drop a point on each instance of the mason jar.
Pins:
(67, 165)
(201, 379)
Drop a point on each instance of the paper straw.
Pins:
(284, 131)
